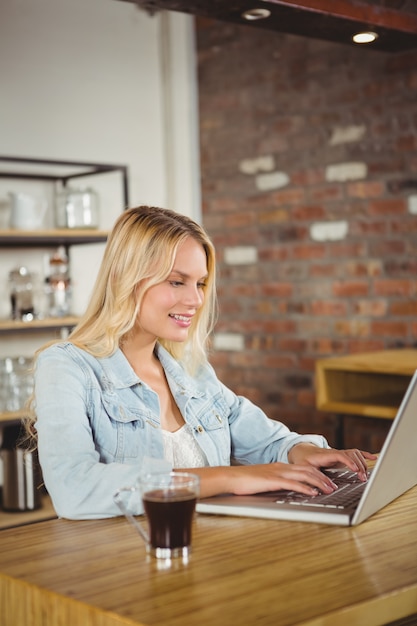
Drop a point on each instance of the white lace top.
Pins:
(182, 450)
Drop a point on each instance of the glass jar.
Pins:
(21, 294)
(16, 382)
(77, 208)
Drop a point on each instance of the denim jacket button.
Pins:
(219, 418)
(200, 428)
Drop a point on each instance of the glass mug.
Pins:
(168, 500)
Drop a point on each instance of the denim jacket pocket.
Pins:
(118, 431)
(213, 420)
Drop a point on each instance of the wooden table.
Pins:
(242, 572)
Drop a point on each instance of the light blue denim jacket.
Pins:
(98, 426)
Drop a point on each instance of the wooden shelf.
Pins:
(370, 384)
(10, 417)
(48, 323)
(20, 518)
(53, 237)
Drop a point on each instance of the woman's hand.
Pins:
(250, 479)
(309, 454)
(302, 474)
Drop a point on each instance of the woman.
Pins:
(132, 391)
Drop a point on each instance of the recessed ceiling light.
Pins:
(256, 14)
(367, 37)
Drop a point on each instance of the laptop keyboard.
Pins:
(346, 496)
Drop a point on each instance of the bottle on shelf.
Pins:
(58, 285)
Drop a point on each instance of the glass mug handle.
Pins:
(118, 498)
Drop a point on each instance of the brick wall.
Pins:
(309, 181)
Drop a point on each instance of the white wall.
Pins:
(97, 81)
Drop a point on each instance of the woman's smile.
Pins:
(182, 320)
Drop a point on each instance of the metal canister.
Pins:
(22, 477)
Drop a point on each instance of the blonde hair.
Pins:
(140, 253)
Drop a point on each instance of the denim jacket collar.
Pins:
(121, 375)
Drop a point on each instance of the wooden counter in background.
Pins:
(369, 385)
(9, 519)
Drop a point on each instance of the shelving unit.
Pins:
(370, 385)
(52, 171)
(45, 238)
(58, 173)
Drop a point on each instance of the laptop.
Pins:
(394, 472)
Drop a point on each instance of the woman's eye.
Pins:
(179, 283)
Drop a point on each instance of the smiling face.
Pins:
(168, 308)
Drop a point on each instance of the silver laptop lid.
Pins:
(396, 468)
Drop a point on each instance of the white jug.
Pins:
(27, 211)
